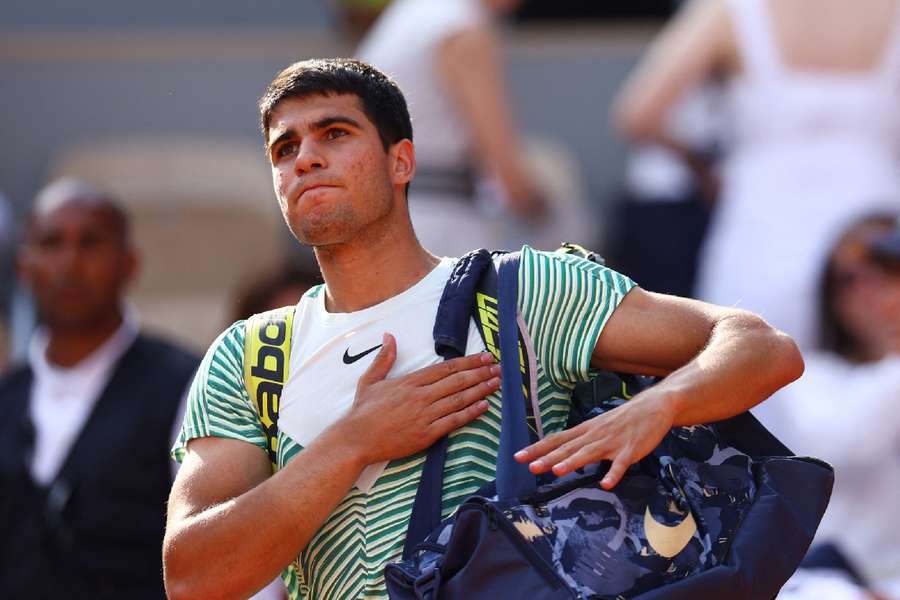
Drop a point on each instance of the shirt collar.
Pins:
(103, 357)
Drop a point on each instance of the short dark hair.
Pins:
(382, 101)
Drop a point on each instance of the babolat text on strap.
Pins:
(485, 313)
(267, 354)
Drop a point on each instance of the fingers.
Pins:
(455, 420)
(383, 362)
(458, 400)
(566, 451)
(615, 473)
(461, 380)
(562, 459)
(539, 449)
(442, 370)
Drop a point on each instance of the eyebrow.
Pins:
(319, 125)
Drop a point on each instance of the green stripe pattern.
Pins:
(565, 302)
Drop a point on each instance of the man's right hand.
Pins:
(232, 525)
(393, 418)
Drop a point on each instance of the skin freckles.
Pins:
(330, 170)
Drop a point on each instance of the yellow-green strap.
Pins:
(267, 355)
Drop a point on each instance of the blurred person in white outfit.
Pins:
(846, 407)
(445, 56)
(814, 90)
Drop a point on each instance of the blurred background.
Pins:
(746, 152)
(156, 103)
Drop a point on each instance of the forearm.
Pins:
(232, 549)
(470, 66)
(744, 362)
(505, 163)
(718, 363)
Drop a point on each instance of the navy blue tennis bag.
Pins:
(720, 511)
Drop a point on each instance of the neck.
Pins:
(366, 272)
(69, 345)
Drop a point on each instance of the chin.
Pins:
(319, 236)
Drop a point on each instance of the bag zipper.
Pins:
(498, 519)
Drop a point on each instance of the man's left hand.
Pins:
(623, 435)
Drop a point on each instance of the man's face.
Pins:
(334, 180)
(76, 264)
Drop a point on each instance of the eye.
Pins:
(91, 240)
(285, 149)
(50, 241)
(335, 132)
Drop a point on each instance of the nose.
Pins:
(309, 157)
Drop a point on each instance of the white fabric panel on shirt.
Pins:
(321, 384)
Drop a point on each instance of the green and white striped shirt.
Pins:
(564, 300)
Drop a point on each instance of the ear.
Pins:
(402, 162)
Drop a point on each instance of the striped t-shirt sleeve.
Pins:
(218, 404)
(565, 301)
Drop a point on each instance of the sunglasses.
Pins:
(865, 275)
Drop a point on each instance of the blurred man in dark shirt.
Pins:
(88, 419)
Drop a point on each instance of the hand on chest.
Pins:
(330, 352)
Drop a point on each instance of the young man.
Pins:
(354, 422)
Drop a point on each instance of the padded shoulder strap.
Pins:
(471, 292)
(267, 355)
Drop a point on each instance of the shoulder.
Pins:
(157, 352)
(155, 373)
(229, 346)
(559, 268)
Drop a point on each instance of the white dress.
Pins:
(812, 150)
(404, 43)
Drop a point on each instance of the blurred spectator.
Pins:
(665, 205)
(445, 56)
(281, 287)
(814, 88)
(6, 245)
(88, 421)
(846, 408)
(357, 16)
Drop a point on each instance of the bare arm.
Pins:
(232, 527)
(469, 65)
(698, 41)
(719, 362)
(227, 520)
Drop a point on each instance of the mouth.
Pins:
(69, 292)
(314, 187)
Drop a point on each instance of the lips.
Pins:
(69, 292)
(312, 187)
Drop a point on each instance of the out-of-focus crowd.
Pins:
(763, 172)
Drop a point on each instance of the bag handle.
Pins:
(514, 480)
